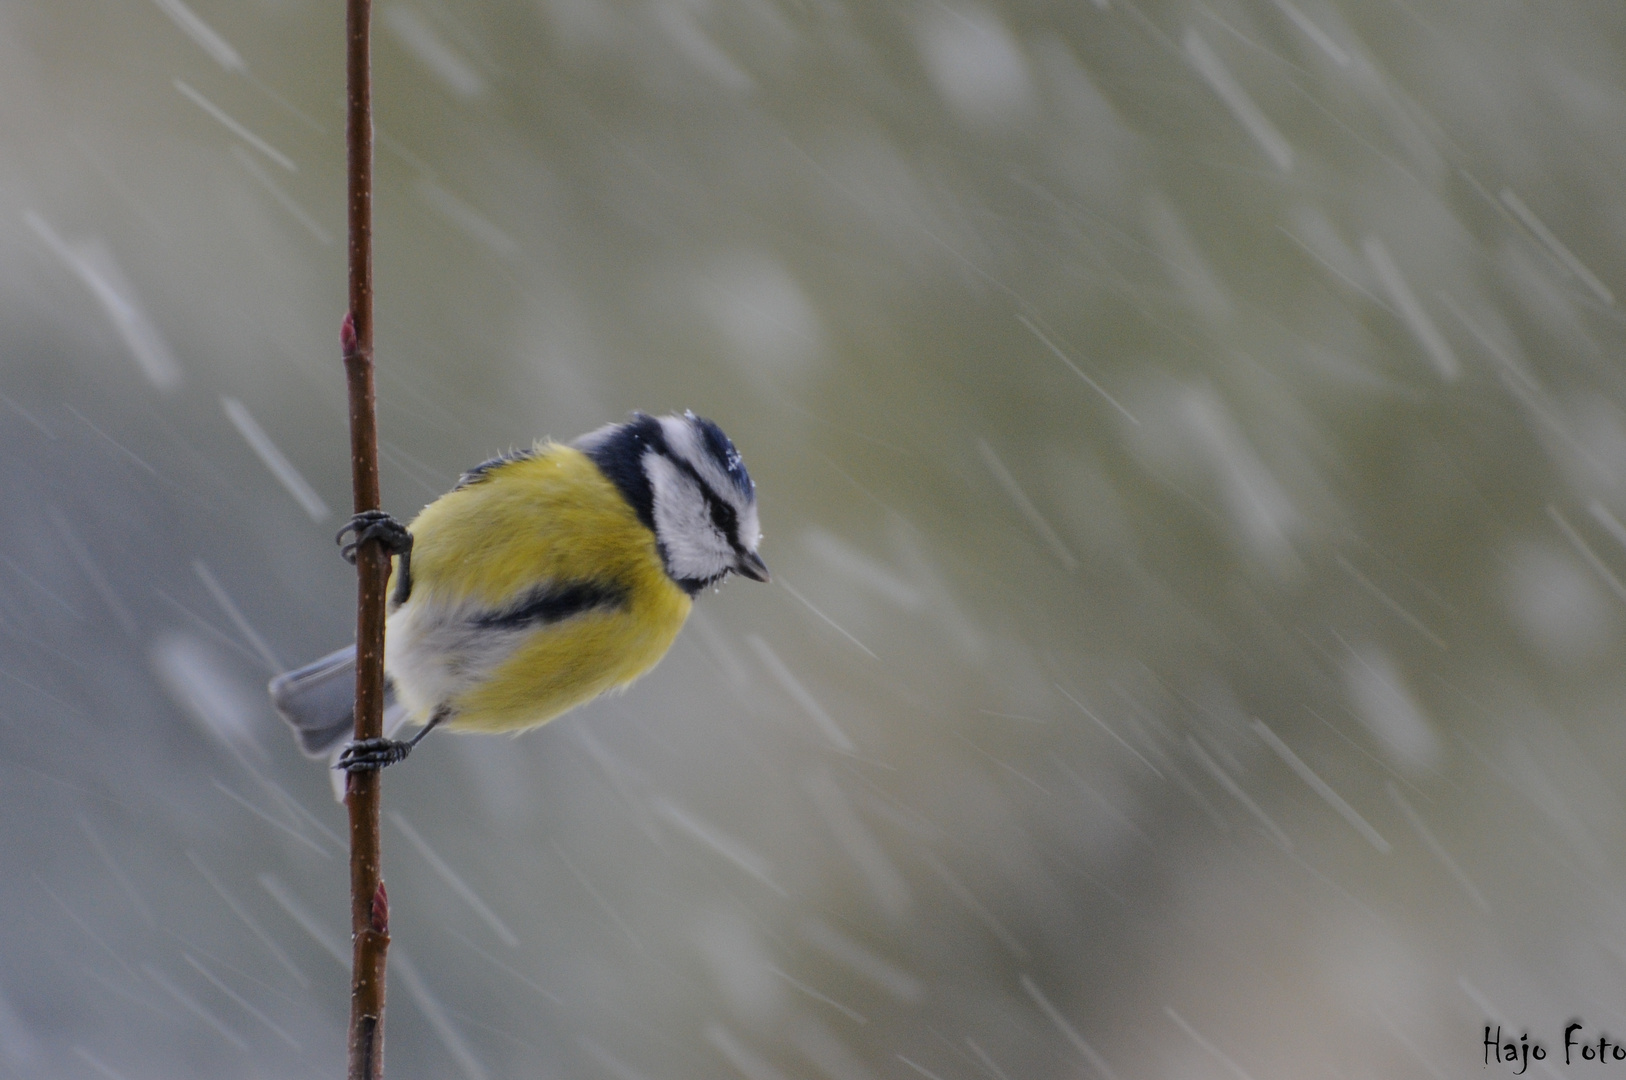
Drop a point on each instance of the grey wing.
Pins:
(319, 702)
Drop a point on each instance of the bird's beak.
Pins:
(752, 566)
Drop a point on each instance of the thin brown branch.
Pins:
(369, 904)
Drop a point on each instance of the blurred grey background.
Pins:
(1191, 453)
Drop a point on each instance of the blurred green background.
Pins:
(1192, 464)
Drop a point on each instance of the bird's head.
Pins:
(688, 485)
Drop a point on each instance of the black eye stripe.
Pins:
(727, 520)
(723, 514)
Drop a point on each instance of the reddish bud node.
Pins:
(381, 910)
(347, 334)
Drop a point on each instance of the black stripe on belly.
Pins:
(555, 603)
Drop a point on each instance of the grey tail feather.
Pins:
(319, 702)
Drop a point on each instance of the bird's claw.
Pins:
(373, 525)
(370, 755)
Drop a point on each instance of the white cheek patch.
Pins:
(694, 547)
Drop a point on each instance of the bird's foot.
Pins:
(370, 755)
(374, 525)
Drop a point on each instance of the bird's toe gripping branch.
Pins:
(370, 755)
(373, 525)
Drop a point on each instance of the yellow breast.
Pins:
(552, 517)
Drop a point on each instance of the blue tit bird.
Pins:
(543, 579)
